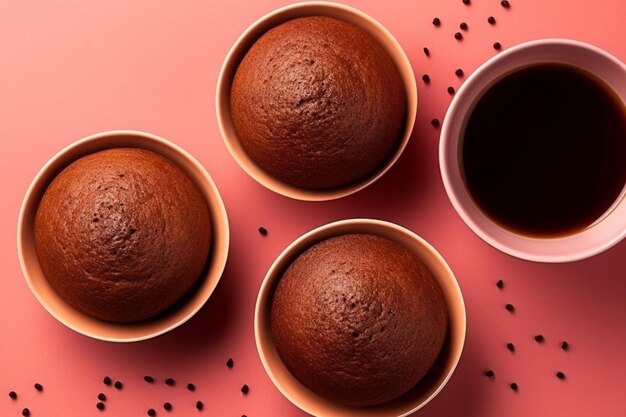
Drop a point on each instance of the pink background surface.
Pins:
(72, 68)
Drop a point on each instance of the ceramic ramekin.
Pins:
(104, 330)
(275, 18)
(436, 378)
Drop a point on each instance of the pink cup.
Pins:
(607, 230)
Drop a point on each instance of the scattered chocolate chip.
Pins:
(102, 397)
(435, 122)
(514, 386)
(459, 72)
(170, 381)
(489, 373)
(500, 284)
(230, 363)
(38, 387)
(560, 375)
(245, 389)
(118, 385)
(497, 46)
(505, 4)
(539, 338)
(13, 395)
(148, 379)
(436, 21)
(426, 51)
(167, 406)
(565, 345)
(263, 231)
(152, 412)
(491, 20)
(26, 412)
(463, 26)
(466, 2)
(100, 406)
(450, 90)
(107, 380)
(191, 387)
(426, 78)
(510, 346)
(199, 405)
(458, 36)
(509, 307)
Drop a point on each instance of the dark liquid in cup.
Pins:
(544, 150)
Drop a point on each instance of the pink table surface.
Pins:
(72, 68)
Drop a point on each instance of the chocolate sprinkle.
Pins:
(539, 338)
(148, 379)
(38, 387)
(26, 412)
(510, 346)
(13, 395)
(100, 406)
(426, 51)
(500, 284)
(436, 21)
(230, 363)
(245, 389)
(459, 72)
(191, 387)
(560, 375)
(565, 345)
(102, 397)
(167, 406)
(106, 380)
(491, 20)
(152, 412)
(497, 46)
(426, 78)
(263, 231)
(463, 26)
(118, 385)
(514, 386)
(450, 90)
(466, 2)
(509, 307)
(505, 4)
(199, 405)
(458, 36)
(435, 122)
(489, 373)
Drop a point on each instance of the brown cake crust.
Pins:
(122, 234)
(318, 103)
(358, 319)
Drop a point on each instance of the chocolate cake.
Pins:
(122, 234)
(317, 103)
(358, 319)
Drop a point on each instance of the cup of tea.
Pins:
(533, 151)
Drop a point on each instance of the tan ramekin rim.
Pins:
(98, 329)
(281, 15)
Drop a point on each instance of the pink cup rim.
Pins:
(566, 248)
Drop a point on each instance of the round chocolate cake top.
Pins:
(358, 319)
(122, 234)
(317, 103)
